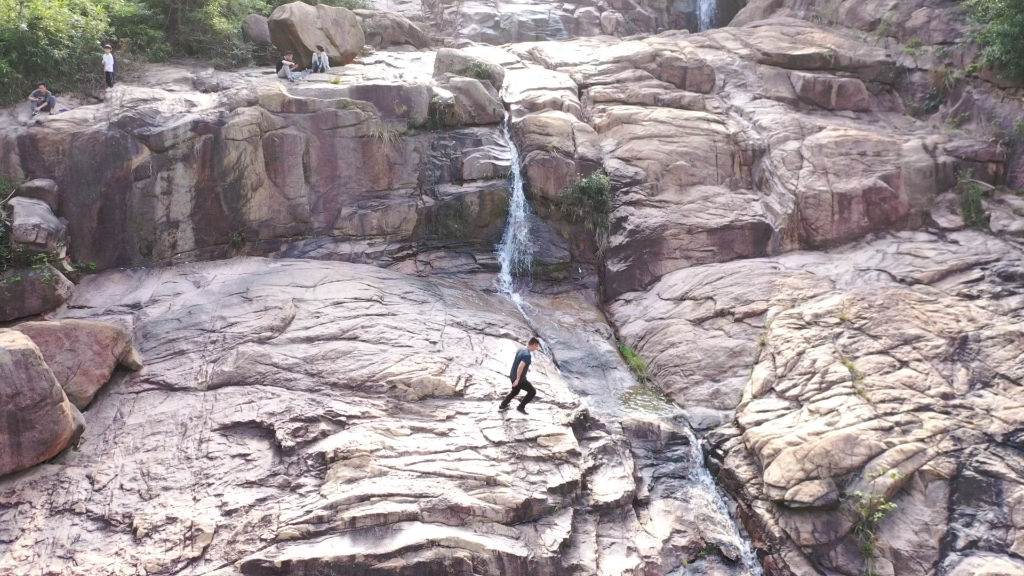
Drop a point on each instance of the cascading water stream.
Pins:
(515, 253)
(707, 14)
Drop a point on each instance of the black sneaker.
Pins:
(521, 409)
(502, 407)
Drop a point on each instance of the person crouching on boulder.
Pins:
(42, 100)
(286, 68)
(520, 366)
(321, 63)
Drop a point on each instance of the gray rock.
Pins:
(41, 189)
(384, 29)
(34, 228)
(458, 63)
(257, 30)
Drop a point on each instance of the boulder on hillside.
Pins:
(41, 189)
(34, 228)
(257, 30)
(30, 291)
(458, 63)
(476, 103)
(382, 29)
(299, 28)
(38, 420)
(831, 92)
(82, 354)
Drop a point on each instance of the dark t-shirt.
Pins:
(282, 63)
(522, 357)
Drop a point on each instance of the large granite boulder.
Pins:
(257, 29)
(384, 29)
(82, 354)
(41, 189)
(38, 421)
(449, 61)
(299, 27)
(34, 228)
(32, 290)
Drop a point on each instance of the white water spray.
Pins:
(707, 14)
(515, 253)
(706, 491)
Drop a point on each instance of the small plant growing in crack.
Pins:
(868, 511)
(388, 137)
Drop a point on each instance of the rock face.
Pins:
(274, 390)
(873, 374)
(300, 28)
(81, 354)
(38, 421)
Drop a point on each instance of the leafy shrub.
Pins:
(6, 257)
(1002, 32)
(971, 192)
(589, 202)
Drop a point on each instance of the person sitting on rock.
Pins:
(520, 366)
(42, 100)
(286, 68)
(321, 63)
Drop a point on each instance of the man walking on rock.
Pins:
(520, 366)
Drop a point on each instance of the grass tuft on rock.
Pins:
(635, 362)
(589, 202)
(477, 70)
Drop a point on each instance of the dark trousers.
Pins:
(318, 69)
(110, 79)
(523, 385)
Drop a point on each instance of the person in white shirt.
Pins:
(108, 65)
(321, 63)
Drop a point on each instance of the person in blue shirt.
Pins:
(520, 366)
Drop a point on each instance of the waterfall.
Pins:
(515, 253)
(707, 14)
(706, 491)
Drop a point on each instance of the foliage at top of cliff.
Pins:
(1002, 33)
(59, 42)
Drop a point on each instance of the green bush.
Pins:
(589, 202)
(52, 41)
(972, 210)
(1002, 34)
